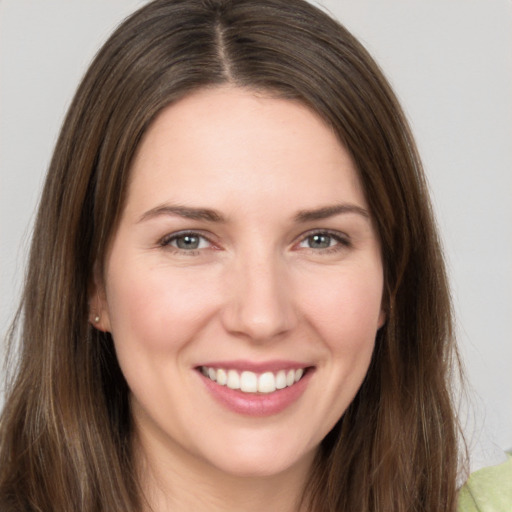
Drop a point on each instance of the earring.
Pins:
(96, 319)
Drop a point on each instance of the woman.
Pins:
(235, 297)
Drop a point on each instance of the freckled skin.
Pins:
(255, 288)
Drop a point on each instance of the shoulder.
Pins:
(488, 490)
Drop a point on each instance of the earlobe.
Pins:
(382, 319)
(98, 321)
(98, 305)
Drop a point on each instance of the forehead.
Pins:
(230, 143)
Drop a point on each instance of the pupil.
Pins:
(188, 242)
(319, 241)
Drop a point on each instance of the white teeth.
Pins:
(233, 380)
(222, 377)
(250, 382)
(281, 379)
(267, 383)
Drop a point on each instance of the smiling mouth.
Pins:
(251, 382)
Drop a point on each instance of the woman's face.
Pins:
(245, 258)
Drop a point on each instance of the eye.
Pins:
(188, 241)
(318, 241)
(324, 240)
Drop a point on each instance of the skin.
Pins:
(257, 289)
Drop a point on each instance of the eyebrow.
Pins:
(210, 215)
(183, 211)
(330, 211)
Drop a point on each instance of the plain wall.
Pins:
(450, 63)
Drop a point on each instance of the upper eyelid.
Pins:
(166, 239)
(331, 232)
(343, 241)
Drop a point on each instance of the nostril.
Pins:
(259, 306)
(258, 322)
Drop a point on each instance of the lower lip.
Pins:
(258, 404)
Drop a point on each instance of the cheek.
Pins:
(157, 309)
(344, 314)
(347, 310)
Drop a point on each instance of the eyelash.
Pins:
(341, 239)
(167, 240)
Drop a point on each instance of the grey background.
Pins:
(450, 63)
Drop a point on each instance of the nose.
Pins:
(259, 305)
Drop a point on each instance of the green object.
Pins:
(488, 489)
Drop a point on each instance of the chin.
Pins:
(257, 463)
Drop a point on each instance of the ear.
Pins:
(99, 316)
(382, 318)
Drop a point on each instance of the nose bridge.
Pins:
(260, 305)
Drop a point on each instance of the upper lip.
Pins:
(256, 367)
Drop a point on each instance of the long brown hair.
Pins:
(65, 431)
